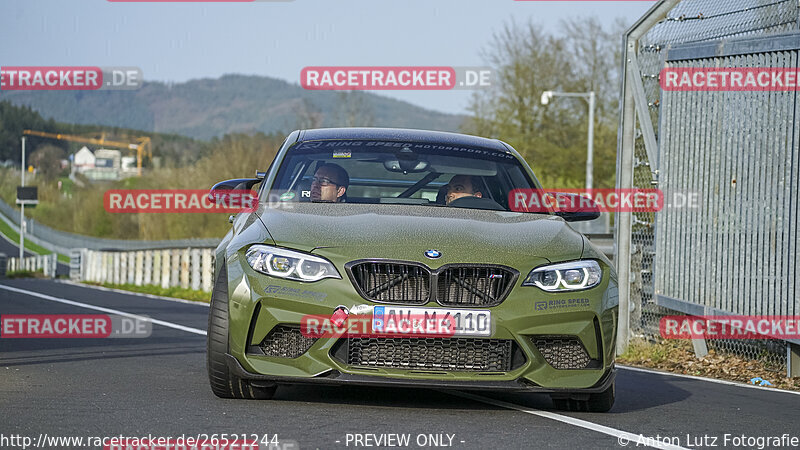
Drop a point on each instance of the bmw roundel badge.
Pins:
(433, 254)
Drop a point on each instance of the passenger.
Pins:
(461, 186)
(329, 184)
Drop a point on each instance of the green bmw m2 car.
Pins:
(394, 257)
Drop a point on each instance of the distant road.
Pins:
(10, 249)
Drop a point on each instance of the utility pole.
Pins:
(590, 156)
(22, 211)
(590, 97)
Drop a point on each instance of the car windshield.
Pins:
(367, 171)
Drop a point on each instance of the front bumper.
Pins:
(258, 304)
(334, 377)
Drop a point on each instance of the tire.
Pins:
(223, 383)
(600, 402)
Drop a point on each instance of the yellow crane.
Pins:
(142, 144)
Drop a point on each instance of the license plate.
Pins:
(435, 321)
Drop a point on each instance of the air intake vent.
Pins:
(564, 352)
(410, 283)
(390, 282)
(473, 285)
(286, 342)
(441, 354)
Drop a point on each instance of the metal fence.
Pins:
(737, 151)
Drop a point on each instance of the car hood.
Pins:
(407, 231)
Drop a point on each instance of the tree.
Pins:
(527, 61)
(308, 115)
(47, 160)
(13, 120)
(354, 110)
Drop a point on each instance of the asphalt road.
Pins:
(157, 386)
(11, 250)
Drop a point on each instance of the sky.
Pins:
(181, 41)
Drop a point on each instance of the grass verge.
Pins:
(677, 356)
(175, 292)
(25, 274)
(13, 236)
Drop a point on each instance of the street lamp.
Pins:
(548, 95)
(22, 210)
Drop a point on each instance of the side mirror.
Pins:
(217, 193)
(576, 208)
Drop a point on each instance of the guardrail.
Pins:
(62, 241)
(188, 268)
(47, 263)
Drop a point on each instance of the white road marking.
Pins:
(202, 332)
(624, 438)
(711, 380)
(105, 310)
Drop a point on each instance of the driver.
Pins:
(462, 186)
(329, 184)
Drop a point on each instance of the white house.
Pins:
(84, 159)
(111, 159)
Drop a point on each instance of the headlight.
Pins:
(571, 276)
(288, 264)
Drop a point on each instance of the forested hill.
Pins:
(207, 108)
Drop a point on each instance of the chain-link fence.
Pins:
(732, 255)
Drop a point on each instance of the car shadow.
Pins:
(635, 391)
(371, 396)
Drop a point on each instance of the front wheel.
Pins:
(223, 383)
